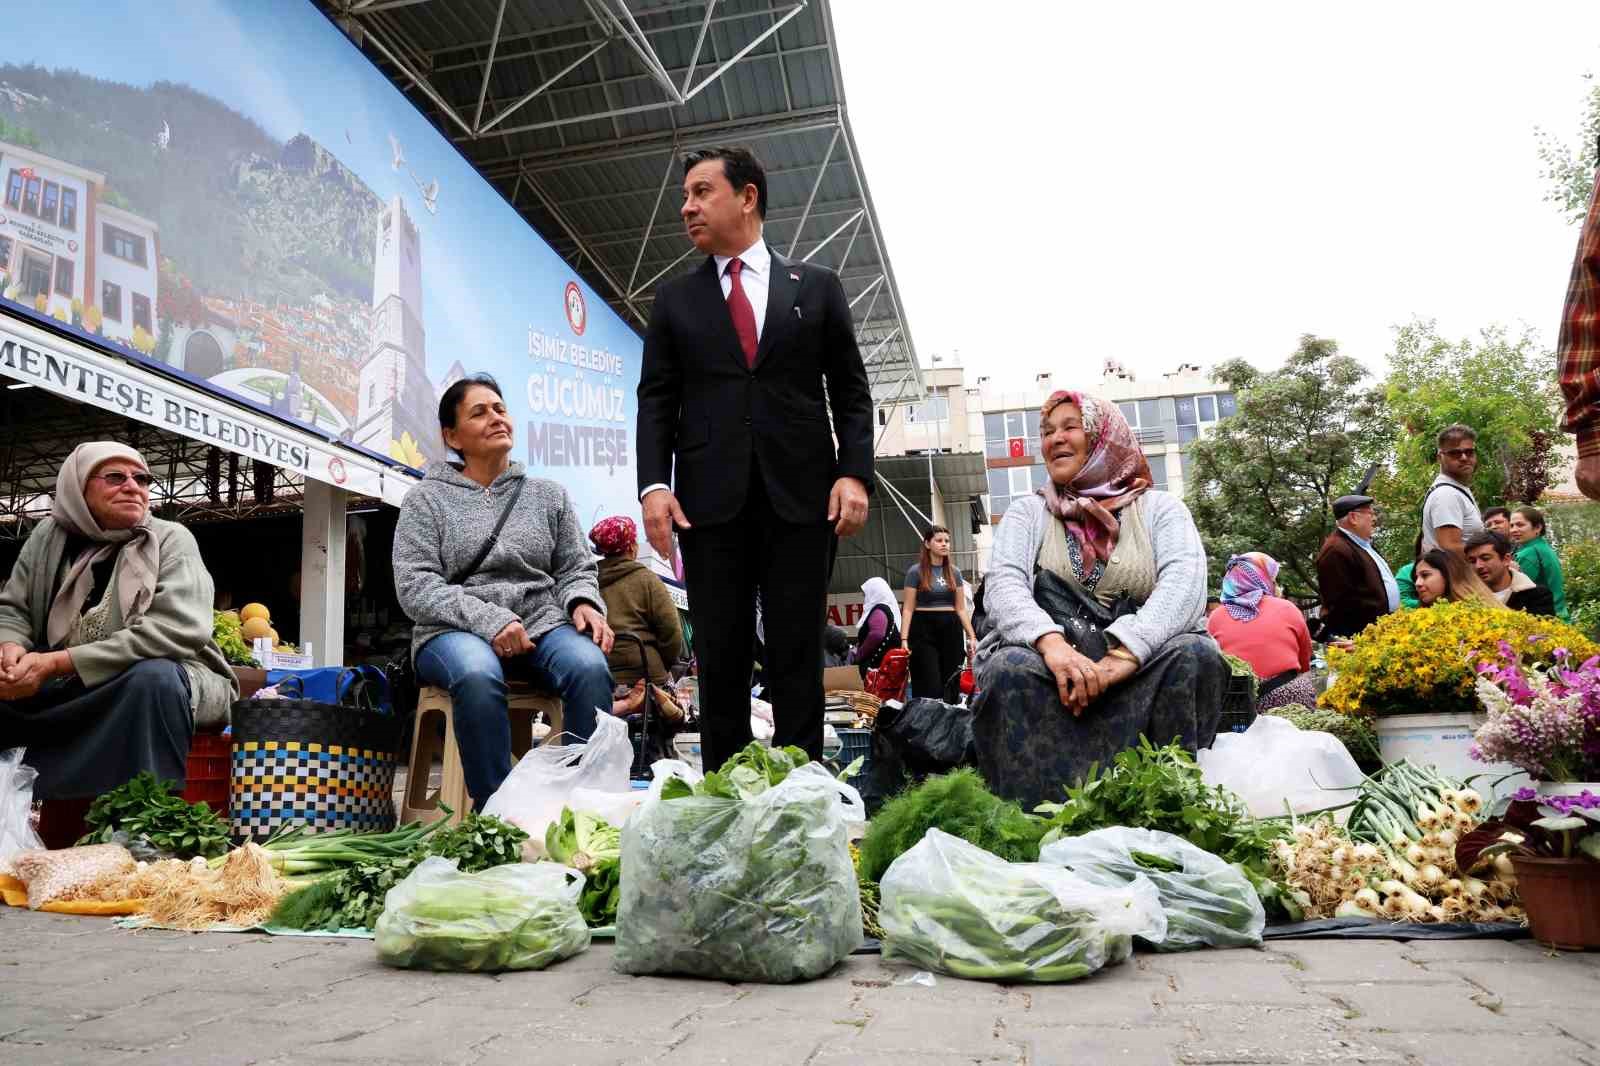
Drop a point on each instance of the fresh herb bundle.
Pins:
(1162, 788)
(747, 773)
(592, 846)
(149, 809)
(959, 804)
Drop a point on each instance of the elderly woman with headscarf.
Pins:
(637, 603)
(879, 630)
(1131, 558)
(1258, 625)
(106, 657)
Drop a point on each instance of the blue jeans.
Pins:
(563, 660)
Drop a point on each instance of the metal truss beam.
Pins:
(575, 235)
(822, 172)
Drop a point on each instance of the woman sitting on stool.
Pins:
(1045, 711)
(532, 606)
(106, 657)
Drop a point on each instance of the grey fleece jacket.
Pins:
(539, 569)
(1177, 605)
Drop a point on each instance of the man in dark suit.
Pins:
(744, 361)
(1490, 556)
(1355, 582)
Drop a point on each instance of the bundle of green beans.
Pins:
(953, 907)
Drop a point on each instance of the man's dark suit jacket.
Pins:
(707, 415)
(1353, 596)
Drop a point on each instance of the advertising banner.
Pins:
(236, 196)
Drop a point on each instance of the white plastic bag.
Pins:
(1209, 903)
(1274, 763)
(543, 782)
(754, 887)
(950, 906)
(521, 916)
(16, 806)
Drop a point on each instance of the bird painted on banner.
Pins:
(164, 138)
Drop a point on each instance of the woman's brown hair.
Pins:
(926, 570)
(1461, 583)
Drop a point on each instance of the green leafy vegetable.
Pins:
(747, 773)
(592, 846)
(959, 804)
(226, 631)
(1161, 788)
(371, 864)
(150, 809)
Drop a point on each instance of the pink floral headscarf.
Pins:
(614, 536)
(1115, 474)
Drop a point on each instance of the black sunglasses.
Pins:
(116, 479)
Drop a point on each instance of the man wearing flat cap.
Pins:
(1356, 584)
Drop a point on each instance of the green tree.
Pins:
(1502, 386)
(1569, 169)
(1266, 478)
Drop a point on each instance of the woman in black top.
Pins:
(937, 629)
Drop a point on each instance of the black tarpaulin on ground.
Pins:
(1370, 929)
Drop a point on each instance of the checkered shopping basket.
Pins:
(320, 765)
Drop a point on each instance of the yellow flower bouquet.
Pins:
(1426, 660)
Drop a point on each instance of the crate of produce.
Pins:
(209, 774)
(855, 744)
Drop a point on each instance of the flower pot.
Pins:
(1562, 897)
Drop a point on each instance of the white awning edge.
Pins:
(79, 373)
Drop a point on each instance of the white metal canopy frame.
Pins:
(579, 112)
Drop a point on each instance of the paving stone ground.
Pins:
(78, 990)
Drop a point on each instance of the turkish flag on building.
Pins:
(1019, 447)
(26, 173)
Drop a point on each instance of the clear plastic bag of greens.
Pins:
(950, 906)
(755, 884)
(522, 916)
(1208, 902)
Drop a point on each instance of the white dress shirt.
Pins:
(756, 278)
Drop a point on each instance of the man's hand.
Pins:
(590, 621)
(661, 514)
(847, 506)
(32, 671)
(1078, 681)
(512, 640)
(1589, 476)
(10, 655)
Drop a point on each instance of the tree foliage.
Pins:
(1266, 478)
(1503, 387)
(1568, 169)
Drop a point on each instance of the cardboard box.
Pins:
(841, 679)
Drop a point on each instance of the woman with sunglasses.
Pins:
(106, 658)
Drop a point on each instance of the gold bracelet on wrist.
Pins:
(1123, 653)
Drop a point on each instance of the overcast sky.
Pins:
(1162, 181)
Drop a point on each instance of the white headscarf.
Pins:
(141, 556)
(877, 591)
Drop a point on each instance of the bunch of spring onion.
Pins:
(1415, 816)
(1331, 875)
(294, 852)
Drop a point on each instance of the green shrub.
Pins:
(1580, 565)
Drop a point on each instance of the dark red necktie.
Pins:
(744, 317)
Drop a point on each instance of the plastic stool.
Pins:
(434, 709)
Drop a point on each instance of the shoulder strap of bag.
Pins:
(488, 545)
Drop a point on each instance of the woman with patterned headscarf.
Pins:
(1046, 711)
(1257, 625)
(637, 602)
(106, 657)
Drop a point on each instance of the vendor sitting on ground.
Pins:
(106, 658)
(637, 603)
(1259, 626)
(530, 607)
(878, 632)
(1445, 577)
(1045, 712)
(1489, 554)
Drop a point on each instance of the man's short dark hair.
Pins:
(739, 166)
(1497, 512)
(1534, 516)
(1453, 433)
(1498, 541)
